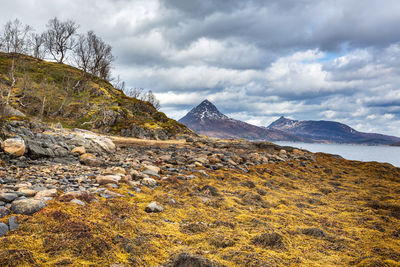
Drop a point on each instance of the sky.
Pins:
(256, 60)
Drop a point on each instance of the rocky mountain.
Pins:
(207, 120)
(329, 132)
(54, 92)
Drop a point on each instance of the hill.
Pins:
(57, 92)
(206, 119)
(330, 132)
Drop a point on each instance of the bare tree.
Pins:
(93, 55)
(151, 98)
(60, 38)
(134, 92)
(15, 37)
(83, 53)
(37, 44)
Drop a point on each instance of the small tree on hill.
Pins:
(60, 38)
(37, 45)
(14, 38)
(93, 55)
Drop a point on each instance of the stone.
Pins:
(14, 146)
(79, 150)
(86, 156)
(46, 193)
(27, 206)
(8, 197)
(150, 172)
(153, 168)
(90, 160)
(153, 207)
(115, 171)
(108, 179)
(4, 212)
(3, 229)
(149, 182)
(12, 223)
(78, 202)
(135, 174)
(27, 192)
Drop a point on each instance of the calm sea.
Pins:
(388, 154)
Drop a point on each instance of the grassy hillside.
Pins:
(61, 93)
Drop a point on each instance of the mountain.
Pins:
(206, 119)
(329, 132)
(54, 92)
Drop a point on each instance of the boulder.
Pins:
(149, 182)
(4, 212)
(27, 206)
(115, 171)
(153, 207)
(8, 197)
(3, 229)
(90, 160)
(46, 193)
(153, 168)
(108, 179)
(12, 223)
(79, 150)
(14, 146)
(27, 192)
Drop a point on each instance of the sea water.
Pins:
(389, 154)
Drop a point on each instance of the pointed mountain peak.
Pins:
(204, 111)
(282, 123)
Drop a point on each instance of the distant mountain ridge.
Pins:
(206, 119)
(330, 132)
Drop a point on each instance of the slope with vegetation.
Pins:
(56, 92)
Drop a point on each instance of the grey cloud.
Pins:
(255, 59)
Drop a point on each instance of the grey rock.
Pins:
(150, 172)
(27, 206)
(4, 212)
(3, 229)
(78, 202)
(149, 182)
(154, 207)
(12, 224)
(8, 197)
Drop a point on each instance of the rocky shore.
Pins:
(77, 179)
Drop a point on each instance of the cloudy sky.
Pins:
(255, 59)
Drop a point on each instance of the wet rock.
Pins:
(14, 146)
(154, 207)
(27, 206)
(3, 229)
(8, 197)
